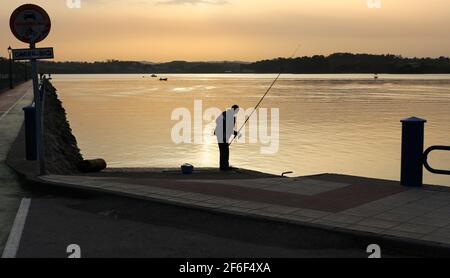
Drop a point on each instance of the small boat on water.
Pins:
(163, 79)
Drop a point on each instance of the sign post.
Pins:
(31, 24)
(39, 117)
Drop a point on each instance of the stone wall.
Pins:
(62, 154)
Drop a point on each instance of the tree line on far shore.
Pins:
(353, 63)
(335, 63)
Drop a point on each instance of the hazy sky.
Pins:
(247, 30)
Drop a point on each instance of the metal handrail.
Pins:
(427, 165)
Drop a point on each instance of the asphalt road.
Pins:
(106, 226)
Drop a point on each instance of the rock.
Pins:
(62, 154)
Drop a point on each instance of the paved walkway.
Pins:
(331, 201)
(11, 119)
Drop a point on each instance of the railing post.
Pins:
(412, 151)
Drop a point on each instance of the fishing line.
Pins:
(264, 96)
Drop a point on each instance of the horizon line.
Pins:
(252, 61)
(238, 61)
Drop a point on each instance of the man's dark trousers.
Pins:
(224, 149)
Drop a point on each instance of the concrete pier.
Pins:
(163, 213)
(347, 203)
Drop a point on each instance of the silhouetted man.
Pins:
(225, 129)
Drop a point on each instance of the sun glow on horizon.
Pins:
(244, 30)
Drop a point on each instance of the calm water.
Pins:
(346, 124)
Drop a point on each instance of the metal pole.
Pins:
(38, 106)
(10, 70)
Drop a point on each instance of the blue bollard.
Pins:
(30, 133)
(412, 151)
(187, 169)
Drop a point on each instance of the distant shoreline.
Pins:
(338, 63)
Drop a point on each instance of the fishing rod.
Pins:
(264, 96)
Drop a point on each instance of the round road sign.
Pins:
(30, 23)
